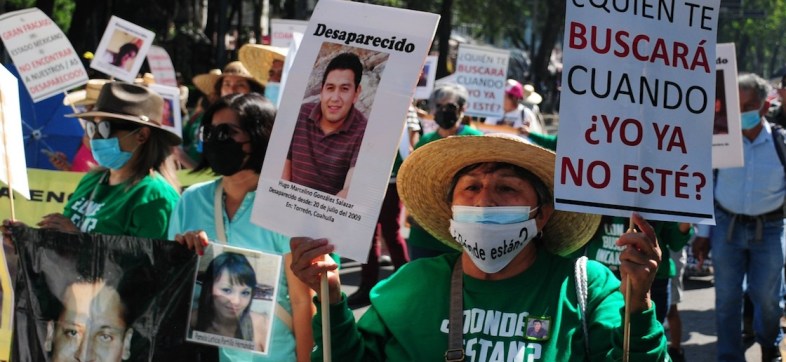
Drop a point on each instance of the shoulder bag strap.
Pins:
(218, 217)
(455, 352)
(581, 295)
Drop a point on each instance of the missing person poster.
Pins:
(483, 71)
(45, 59)
(113, 298)
(638, 89)
(235, 290)
(122, 49)
(282, 31)
(426, 79)
(340, 121)
(171, 115)
(726, 127)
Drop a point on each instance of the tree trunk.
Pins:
(550, 33)
(443, 34)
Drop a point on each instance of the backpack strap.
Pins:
(779, 138)
(581, 295)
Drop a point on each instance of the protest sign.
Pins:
(171, 118)
(50, 191)
(13, 167)
(45, 59)
(161, 66)
(122, 49)
(636, 110)
(282, 30)
(483, 71)
(426, 80)
(334, 140)
(109, 297)
(726, 129)
(254, 279)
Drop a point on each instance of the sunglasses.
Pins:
(104, 128)
(221, 132)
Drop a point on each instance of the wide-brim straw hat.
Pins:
(206, 83)
(133, 103)
(87, 96)
(425, 177)
(533, 97)
(258, 59)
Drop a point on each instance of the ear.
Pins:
(50, 335)
(358, 90)
(544, 215)
(127, 344)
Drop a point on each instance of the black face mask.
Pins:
(446, 116)
(226, 158)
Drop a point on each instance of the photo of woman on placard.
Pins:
(225, 301)
(125, 56)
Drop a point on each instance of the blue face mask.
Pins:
(108, 154)
(491, 215)
(750, 119)
(272, 90)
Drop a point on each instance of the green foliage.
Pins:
(20, 4)
(64, 10)
(756, 27)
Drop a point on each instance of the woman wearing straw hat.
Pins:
(133, 191)
(491, 197)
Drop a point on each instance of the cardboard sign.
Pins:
(45, 59)
(636, 112)
(255, 318)
(282, 30)
(726, 128)
(122, 49)
(161, 66)
(426, 80)
(351, 130)
(12, 148)
(483, 71)
(171, 116)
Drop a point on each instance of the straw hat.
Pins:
(133, 103)
(206, 82)
(533, 97)
(258, 59)
(87, 96)
(425, 177)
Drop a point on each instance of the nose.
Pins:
(84, 353)
(485, 198)
(234, 299)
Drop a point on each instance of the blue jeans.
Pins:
(762, 262)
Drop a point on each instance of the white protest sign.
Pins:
(291, 53)
(12, 152)
(282, 30)
(426, 80)
(483, 71)
(45, 59)
(333, 145)
(122, 49)
(636, 111)
(171, 116)
(161, 66)
(726, 130)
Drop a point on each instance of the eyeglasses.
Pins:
(104, 128)
(221, 132)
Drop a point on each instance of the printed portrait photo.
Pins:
(122, 50)
(423, 78)
(538, 328)
(234, 298)
(333, 117)
(721, 124)
(168, 114)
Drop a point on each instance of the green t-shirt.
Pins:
(417, 235)
(140, 210)
(603, 248)
(408, 317)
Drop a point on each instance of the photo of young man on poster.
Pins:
(333, 118)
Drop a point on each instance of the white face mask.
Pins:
(491, 247)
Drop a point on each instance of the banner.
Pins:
(340, 122)
(636, 112)
(50, 190)
(483, 71)
(45, 59)
(13, 167)
(161, 66)
(283, 30)
(100, 297)
(122, 49)
(248, 280)
(726, 127)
